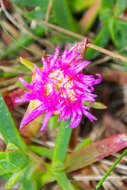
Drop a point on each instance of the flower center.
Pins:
(61, 82)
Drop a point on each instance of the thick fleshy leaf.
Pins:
(7, 127)
(27, 63)
(84, 143)
(17, 158)
(31, 129)
(95, 152)
(96, 105)
(8, 167)
(42, 151)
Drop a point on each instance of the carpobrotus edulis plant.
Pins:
(58, 88)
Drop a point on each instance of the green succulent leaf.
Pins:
(7, 166)
(8, 129)
(95, 105)
(82, 144)
(42, 151)
(17, 158)
(95, 152)
(27, 63)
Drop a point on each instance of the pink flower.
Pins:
(61, 87)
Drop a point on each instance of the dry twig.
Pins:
(90, 45)
(48, 11)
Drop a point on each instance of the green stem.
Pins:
(64, 182)
(112, 167)
(62, 142)
(59, 155)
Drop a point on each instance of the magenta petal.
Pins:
(45, 121)
(38, 75)
(99, 79)
(62, 114)
(67, 115)
(89, 115)
(80, 85)
(26, 84)
(62, 86)
(74, 115)
(77, 121)
(35, 113)
(55, 57)
(45, 64)
(81, 66)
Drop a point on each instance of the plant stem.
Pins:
(59, 155)
(112, 167)
(90, 45)
(64, 182)
(62, 142)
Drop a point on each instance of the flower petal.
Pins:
(89, 116)
(81, 66)
(26, 84)
(35, 113)
(45, 121)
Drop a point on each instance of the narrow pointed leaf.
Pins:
(7, 127)
(42, 151)
(84, 143)
(17, 158)
(95, 152)
(31, 129)
(96, 105)
(27, 63)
